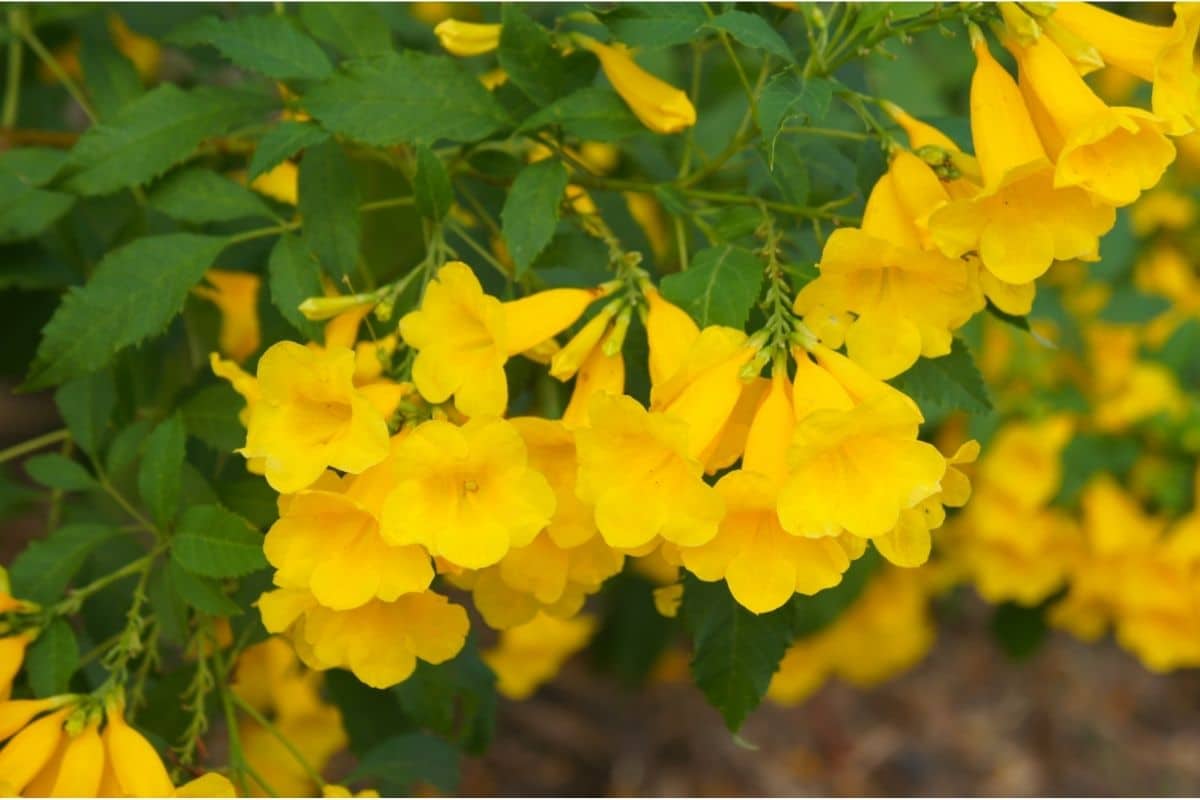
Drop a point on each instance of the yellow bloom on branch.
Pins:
(467, 38)
(660, 106)
(235, 294)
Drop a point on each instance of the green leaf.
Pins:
(26, 211)
(1128, 305)
(590, 113)
(754, 32)
(52, 659)
(153, 134)
(405, 98)
(199, 195)
(400, 761)
(1089, 454)
(329, 201)
(455, 699)
(810, 614)
(134, 293)
(632, 634)
(1019, 630)
(270, 45)
(127, 444)
(295, 276)
(719, 287)
(214, 542)
(947, 383)
(86, 404)
(59, 472)
(431, 185)
(528, 57)
(356, 29)
(111, 80)
(203, 594)
(35, 166)
(530, 212)
(161, 472)
(789, 98)
(653, 25)
(735, 652)
(281, 143)
(45, 567)
(211, 415)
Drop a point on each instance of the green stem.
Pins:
(12, 88)
(75, 597)
(36, 443)
(47, 58)
(830, 133)
(128, 507)
(254, 714)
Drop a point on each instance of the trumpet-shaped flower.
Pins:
(635, 470)
(529, 655)
(30, 750)
(467, 38)
(235, 294)
(133, 762)
(660, 106)
(1021, 221)
(309, 416)
(467, 494)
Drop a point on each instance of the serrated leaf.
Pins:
(654, 25)
(735, 652)
(281, 143)
(134, 293)
(270, 45)
(787, 98)
(590, 113)
(356, 29)
(455, 699)
(329, 201)
(719, 287)
(214, 542)
(86, 405)
(754, 32)
(111, 80)
(948, 383)
(294, 276)
(26, 211)
(52, 659)
(400, 761)
(406, 98)
(126, 445)
(199, 195)
(153, 134)
(56, 471)
(528, 57)
(203, 594)
(161, 472)
(45, 567)
(530, 212)
(431, 185)
(812, 613)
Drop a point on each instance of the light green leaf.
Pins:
(154, 133)
(56, 471)
(199, 195)
(356, 29)
(126, 445)
(203, 594)
(281, 143)
(271, 45)
(26, 211)
(35, 166)
(530, 212)
(86, 404)
(654, 25)
(528, 57)
(948, 383)
(161, 472)
(216, 543)
(789, 98)
(52, 659)
(295, 276)
(329, 206)
(431, 185)
(134, 293)
(404, 98)
(719, 287)
(45, 567)
(754, 32)
(590, 113)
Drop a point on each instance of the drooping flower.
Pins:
(529, 655)
(31, 749)
(235, 294)
(660, 106)
(309, 416)
(467, 494)
(467, 38)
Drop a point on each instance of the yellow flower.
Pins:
(16, 714)
(467, 494)
(1149, 389)
(1113, 152)
(648, 214)
(595, 365)
(379, 642)
(467, 38)
(1023, 460)
(1162, 209)
(235, 294)
(1161, 55)
(855, 462)
(907, 300)
(763, 564)
(210, 784)
(334, 790)
(144, 52)
(529, 655)
(309, 416)
(635, 469)
(30, 750)
(660, 106)
(463, 337)
(670, 333)
(1020, 222)
(281, 182)
(77, 767)
(135, 764)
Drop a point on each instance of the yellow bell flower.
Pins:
(1164, 56)
(379, 642)
(1020, 222)
(12, 655)
(468, 494)
(235, 294)
(529, 655)
(30, 750)
(80, 765)
(135, 764)
(660, 106)
(467, 38)
(670, 332)
(144, 52)
(600, 373)
(281, 182)
(635, 470)
(1023, 460)
(855, 462)
(334, 790)
(907, 300)
(1162, 209)
(309, 416)
(1113, 152)
(16, 714)
(210, 784)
